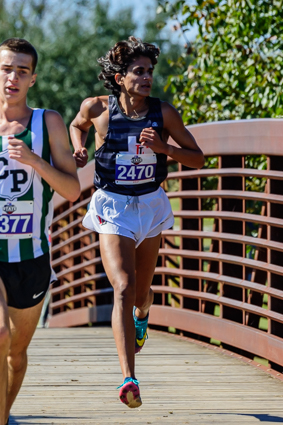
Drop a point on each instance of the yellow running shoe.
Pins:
(141, 331)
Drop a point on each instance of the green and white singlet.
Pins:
(26, 208)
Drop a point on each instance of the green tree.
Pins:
(69, 39)
(68, 44)
(170, 52)
(68, 49)
(237, 67)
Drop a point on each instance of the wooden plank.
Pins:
(73, 374)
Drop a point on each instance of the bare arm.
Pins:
(79, 128)
(62, 176)
(188, 153)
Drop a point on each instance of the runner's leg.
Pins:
(118, 257)
(23, 324)
(4, 348)
(146, 259)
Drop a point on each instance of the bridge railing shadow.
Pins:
(220, 269)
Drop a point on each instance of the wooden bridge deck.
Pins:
(73, 374)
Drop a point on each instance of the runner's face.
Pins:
(139, 77)
(16, 75)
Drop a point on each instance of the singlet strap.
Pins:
(37, 131)
(111, 105)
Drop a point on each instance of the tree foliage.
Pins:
(68, 46)
(237, 67)
(69, 38)
(170, 51)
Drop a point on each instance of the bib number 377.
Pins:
(16, 219)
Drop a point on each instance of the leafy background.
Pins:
(237, 68)
(69, 38)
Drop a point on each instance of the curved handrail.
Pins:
(219, 273)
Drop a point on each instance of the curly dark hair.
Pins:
(120, 57)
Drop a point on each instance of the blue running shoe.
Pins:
(130, 393)
(141, 331)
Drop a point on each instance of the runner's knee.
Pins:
(17, 361)
(125, 292)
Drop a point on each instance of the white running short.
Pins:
(136, 217)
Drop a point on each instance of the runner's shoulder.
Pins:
(93, 107)
(52, 118)
(170, 113)
(166, 107)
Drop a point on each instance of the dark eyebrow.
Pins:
(24, 67)
(142, 67)
(20, 66)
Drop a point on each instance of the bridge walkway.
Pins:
(73, 374)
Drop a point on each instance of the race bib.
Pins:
(135, 169)
(16, 219)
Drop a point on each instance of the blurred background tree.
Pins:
(69, 38)
(237, 67)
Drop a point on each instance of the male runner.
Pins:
(130, 209)
(35, 160)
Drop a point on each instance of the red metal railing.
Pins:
(220, 269)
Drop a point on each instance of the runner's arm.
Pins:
(188, 153)
(62, 175)
(79, 128)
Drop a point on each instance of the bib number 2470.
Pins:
(135, 169)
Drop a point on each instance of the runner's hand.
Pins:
(150, 138)
(20, 151)
(81, 157)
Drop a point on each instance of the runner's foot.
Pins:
(141, 331)
(130, 393)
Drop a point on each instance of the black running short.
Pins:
(26, 282)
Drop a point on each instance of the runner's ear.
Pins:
(119, 79)
(33, 80)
